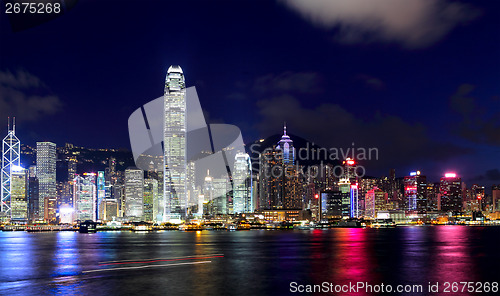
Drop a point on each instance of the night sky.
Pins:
(419, 80)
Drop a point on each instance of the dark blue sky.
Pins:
(419, 81)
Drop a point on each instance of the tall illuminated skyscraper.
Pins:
(134, 193)
(450, 193)
(101, 195)
(242, 180)
(46, 173)
(10, 158)
(174, 141)
(415, 192)
(19, 202)
(84, 197)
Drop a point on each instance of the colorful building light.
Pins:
(450, 175)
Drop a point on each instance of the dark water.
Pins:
(257, 262)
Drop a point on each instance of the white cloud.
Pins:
(413, 23)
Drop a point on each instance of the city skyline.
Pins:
(426, 102)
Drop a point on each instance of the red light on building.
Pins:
(316, 196)
(479, 197)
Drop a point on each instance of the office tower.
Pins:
(46, 173)
(10, 158)
(174, 141)
(432, 193)
(415, 192)
(191, 193)
(242, 180)
(285, 145)
(269, 178)
(474, 201)
(101, 195)
(118, 193)
(375, 201)
(65, 195)
(495, 192)
(134, 194)
(71, 168)
(450, 193)
(33, 197)
(330, 204)
(350, 178)
(84, 197)
(18, 201)
(150, 196)
(280, 180)
(345, 190)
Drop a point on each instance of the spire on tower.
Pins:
(8, 124)
(14, 124)
(284, 128)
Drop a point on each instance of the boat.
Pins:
(87, 227)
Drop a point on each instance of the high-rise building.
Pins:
(174, 142)
(18, 202)
(349, 184)
(450, 193)
(345, 189)
(415, 192)
(84, 197)
(375, 201)
(72, 163)
(101, 195)
(280, 181)
(33, 199)
(242, 180)
(150, 196)
(134, 194)
(10, 158)
(46, 172)
(495, 193)
(330, 204)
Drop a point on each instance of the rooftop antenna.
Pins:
(284, 128)
(14, 124)
(8, 124)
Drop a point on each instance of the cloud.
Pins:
(330, 125)
(371, 82)
(412, 23)
(26, 97)
(478, 124)
(289, 82)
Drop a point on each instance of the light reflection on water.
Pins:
(256, 262)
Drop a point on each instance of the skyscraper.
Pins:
(415, 192)
(101, 195)
(150, 196)
(84, 197)
(19, 202)
(242, 180)
(174, 141)
(46, 173)
(134, 193)
(375, 201)
(280, 186)
(450, 192)
(10, 158)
